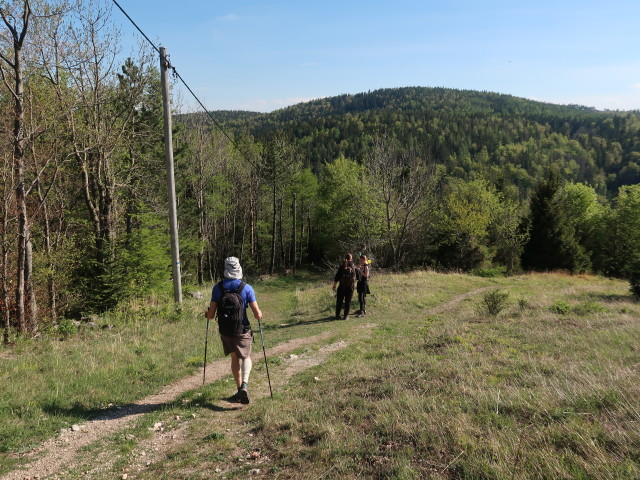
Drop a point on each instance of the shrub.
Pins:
(523, 304)
(493, 302)
(560, 307)
(67, 328)
(586, 308)
(491, 272)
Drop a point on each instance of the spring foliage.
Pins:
(412, 177)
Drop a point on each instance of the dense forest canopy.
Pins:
(413, 177)
(512, 138)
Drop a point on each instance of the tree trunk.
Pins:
(301, 252)
(294, 239)
(202, 237)
(3, 286)
(24, 261)
(273, 231)
(283, 254)
(31, 305)
(51, 284)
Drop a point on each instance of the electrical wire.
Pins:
(165, 59)
(137, 27)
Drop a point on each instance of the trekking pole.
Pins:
(206, 341)
(266, 364)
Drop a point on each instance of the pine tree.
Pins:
(552, 243)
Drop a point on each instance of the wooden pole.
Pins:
(171, 184)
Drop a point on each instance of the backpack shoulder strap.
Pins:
(221, 286)
(241, 286)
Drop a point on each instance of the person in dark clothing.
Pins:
(345, 281)
(363, 285)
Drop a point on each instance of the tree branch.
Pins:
(7, 84)
(25, 22)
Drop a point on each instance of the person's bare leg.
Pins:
(235, 369)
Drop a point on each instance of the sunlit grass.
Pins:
(456, 395)
(435, 390)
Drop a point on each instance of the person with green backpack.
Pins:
(345, 281)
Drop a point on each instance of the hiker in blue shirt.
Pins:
(236, 342)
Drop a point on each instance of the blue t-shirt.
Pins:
(247, 294)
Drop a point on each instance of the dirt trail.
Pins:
(160, 444)
(454, 302)
(60, 450)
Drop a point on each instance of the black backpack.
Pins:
(231, 311)
(348, 277)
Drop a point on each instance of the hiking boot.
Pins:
(358, 312)
(243, 393)
(337, 317)
(235, 398)
(345, 317)
(360, 315)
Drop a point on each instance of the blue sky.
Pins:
(264, 55)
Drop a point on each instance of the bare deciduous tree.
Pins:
(403, 183)
(17, 19)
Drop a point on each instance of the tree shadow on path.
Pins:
(303, 322)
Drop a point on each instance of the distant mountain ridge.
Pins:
(457, 127)
(406, 97)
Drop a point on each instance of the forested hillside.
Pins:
(511, 139)
(414, 177)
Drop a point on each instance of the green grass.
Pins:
(48, 384)
(534, 392)
(530, 394)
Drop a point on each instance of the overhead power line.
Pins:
(178, 76)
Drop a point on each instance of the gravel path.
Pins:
(61, 450)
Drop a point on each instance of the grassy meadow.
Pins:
(441, 379)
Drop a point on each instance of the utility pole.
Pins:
(171, 183)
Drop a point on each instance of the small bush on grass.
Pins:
(66, 328)
(560, 307)
(493, 303)
(586, 308)
(491, 272)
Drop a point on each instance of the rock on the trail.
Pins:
(75, 428)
